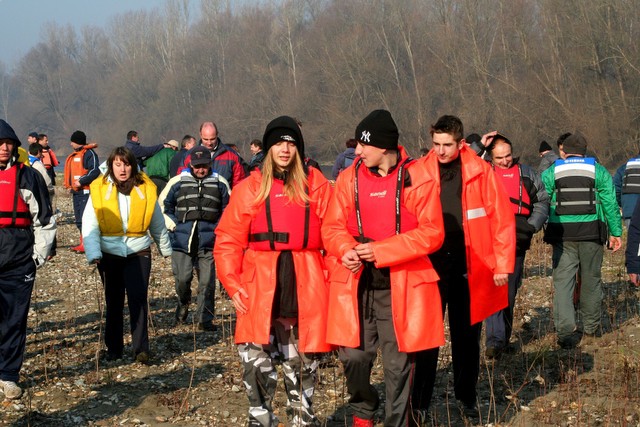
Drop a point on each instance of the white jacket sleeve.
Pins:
(159, 231)
(91, 233)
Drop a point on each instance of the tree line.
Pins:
(531, 68)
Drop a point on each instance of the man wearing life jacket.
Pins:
(26, 233)
(49, 159)
(475, 260)
(626, 181)
(583, 216)
(383, 221)
(192, 203)
(80, 169)
(530, 204)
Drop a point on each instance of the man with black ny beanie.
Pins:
(474, 263)
(383, 220)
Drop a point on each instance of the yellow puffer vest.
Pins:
(104, 196)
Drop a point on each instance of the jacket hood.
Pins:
(7, 132)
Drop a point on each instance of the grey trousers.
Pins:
(567, 257)
(183, 264)
(376, 330)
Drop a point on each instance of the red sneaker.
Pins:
(361, 422)
(78, 249)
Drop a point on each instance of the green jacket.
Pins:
(158, 164)
(588, 227)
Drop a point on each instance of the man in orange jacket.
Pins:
(382, 222)
(474, 262)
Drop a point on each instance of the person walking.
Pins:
(268, 252)
(192, 203)
(530, 205)
(157, 166)
(383, 221)
(121, 217)
(27, 230)
(80, 169)
(474, 262)
(345, 159)
(583, 217)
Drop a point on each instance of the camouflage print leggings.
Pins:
(260, 376)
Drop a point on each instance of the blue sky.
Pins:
(22, 20)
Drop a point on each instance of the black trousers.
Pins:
(128, 275)
(465, 337)
(16, 285)
(376, 330)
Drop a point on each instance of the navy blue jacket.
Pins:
(182, 233)
(141, 151)
(632, 254)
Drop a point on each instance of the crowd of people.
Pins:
(370, 262)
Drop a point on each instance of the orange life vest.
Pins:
(74, 167)
(49, 159)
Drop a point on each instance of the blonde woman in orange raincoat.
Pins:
(269, 259)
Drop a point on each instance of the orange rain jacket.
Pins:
(415, 298)
(238, 266)
(489, 231)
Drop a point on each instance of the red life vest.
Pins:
(379, 208)
(512, 180)
(14, 212)
(284, 225)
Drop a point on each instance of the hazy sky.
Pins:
(22, 20)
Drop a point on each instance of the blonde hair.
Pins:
(295, 186)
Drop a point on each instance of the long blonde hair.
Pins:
(295, 186)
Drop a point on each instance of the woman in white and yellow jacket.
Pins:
(120, 214)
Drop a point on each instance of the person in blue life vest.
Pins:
(121, 218)
(27, 230)
(626, 181)
(583, 217)
(530, 204)
(192, 203)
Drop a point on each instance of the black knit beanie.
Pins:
(544, 146)
(79, 137)
(378, 129)
(283, 128)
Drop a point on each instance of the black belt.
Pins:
(269, 236)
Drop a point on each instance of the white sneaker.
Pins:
(10, 389)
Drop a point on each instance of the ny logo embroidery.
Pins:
(365, 136)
